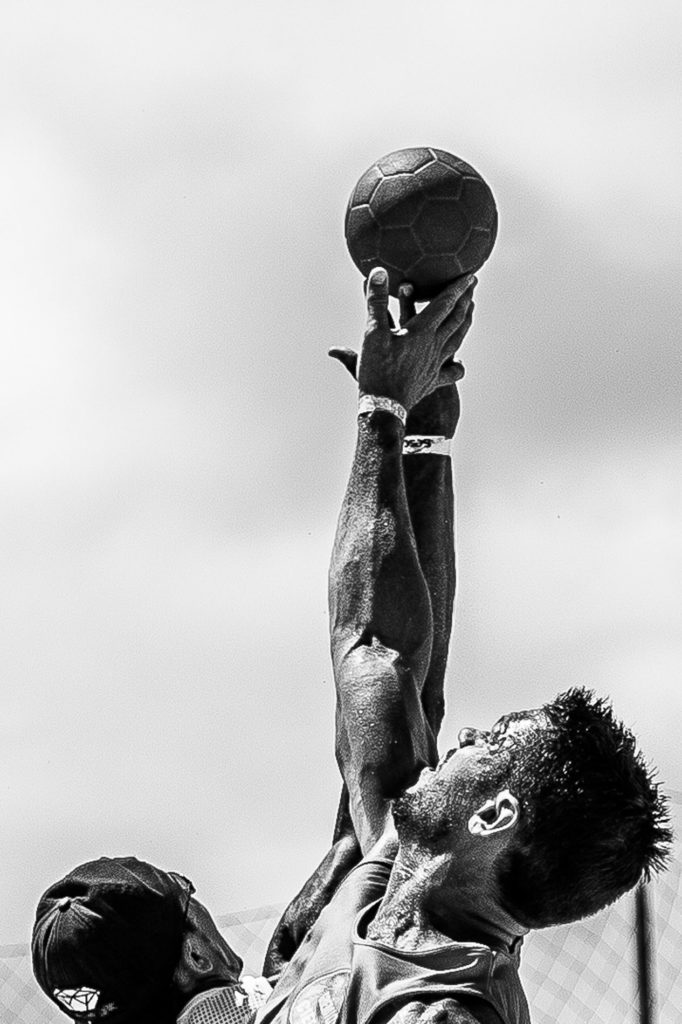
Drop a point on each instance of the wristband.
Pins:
(426, 444)
(370, 403)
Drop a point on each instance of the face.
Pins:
(474, 771)
(216, 961)
(507, 734)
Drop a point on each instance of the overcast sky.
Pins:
(175, 442)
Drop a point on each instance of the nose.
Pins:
(469, 737)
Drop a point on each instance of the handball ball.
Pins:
(424, 215)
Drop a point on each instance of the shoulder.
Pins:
(369, 878)
(442, 1011)
(325, 953)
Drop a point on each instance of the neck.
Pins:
(431, 899)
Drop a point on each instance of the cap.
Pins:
(107, 939)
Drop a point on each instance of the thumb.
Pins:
(450, 372)
(377, 300)
(348, 357)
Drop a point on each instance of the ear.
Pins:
(205, 953)
(194, 954)
(495, 816)
(192, 965)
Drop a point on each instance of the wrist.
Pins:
(370, 404)
(436, 415)
(380, 427)
(427, 444)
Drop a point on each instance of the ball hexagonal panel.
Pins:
(433, 268)
(363, 191)
(477, 198)
(364, 230)
(398, 200)
(476, 249)
(439, 180)
(397, 248)
(441, 226)
(450, 160)
(405, 161)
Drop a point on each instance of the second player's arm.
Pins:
(430, 498)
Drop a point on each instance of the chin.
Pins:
(421, 816)
(424, 777)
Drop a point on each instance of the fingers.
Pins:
(450, 373)
(453, 330)
(444, 303)
(377, 301)
(347, 357)
(408, 308)
(461, 332)
(391, 321)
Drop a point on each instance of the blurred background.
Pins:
(175, 441)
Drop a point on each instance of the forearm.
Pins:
(377, 593)
(428, 480)
(380, 620)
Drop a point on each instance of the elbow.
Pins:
(380, 724)
(358, 642)
(363, 653)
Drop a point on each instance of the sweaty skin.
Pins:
(429, 491)
(383, 632)
(389, 685)
(384, 637)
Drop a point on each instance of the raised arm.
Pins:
(427, 466)
(428, 486)
(380, 606)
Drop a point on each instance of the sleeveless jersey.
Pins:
(340, 977)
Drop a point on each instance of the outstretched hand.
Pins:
(410, 362)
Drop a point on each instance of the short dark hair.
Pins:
(592, 819)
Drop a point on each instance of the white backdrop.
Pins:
(175, 441)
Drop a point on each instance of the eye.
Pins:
(498, 734)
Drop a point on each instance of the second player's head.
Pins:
(558, 802)
(120, 940)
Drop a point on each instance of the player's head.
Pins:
(594, 822)
(572, 810)
(119, 940)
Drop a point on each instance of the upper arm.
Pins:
(383, 739)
